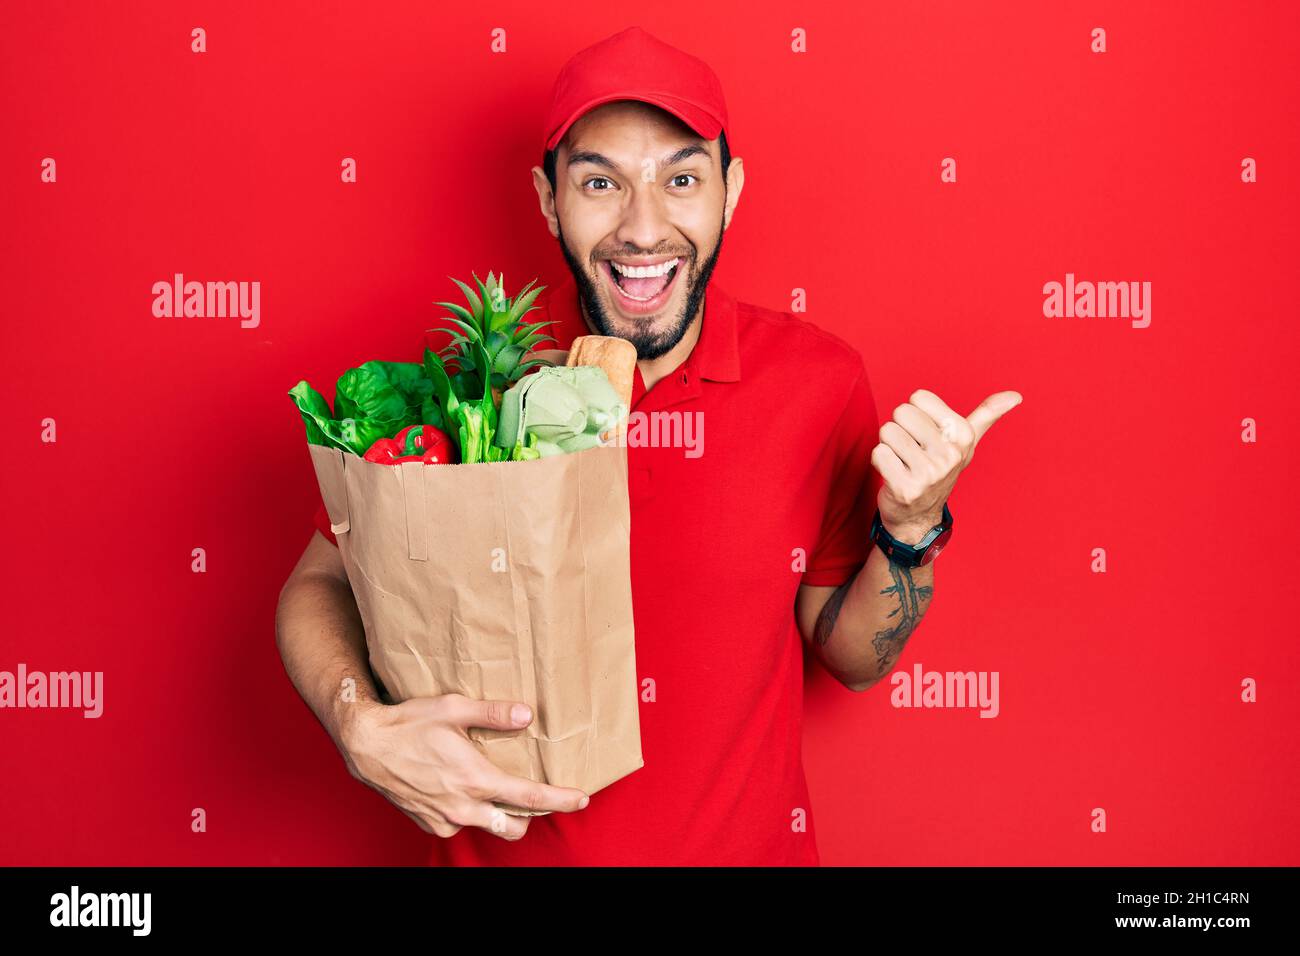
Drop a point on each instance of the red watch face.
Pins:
(936, 546)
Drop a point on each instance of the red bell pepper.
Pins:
(411, 438)
(422, 443)
(385, 451)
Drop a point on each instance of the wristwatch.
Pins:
(913, 555)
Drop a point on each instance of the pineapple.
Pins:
(496, 323)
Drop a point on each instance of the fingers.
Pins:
(952, 426)
(919, 425)
(531, 795)
(492, 714)
(486, 783)
(927, 419)
(481, 813)
(927, 436)
(435, 828)
(469, 812)
(476, 809)
(886, 461)
(902, 444)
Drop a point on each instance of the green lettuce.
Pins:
(375, 400)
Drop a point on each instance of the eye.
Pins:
(598, 179)
(685, 176)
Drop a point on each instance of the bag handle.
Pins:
(331, 474)
(417, 524)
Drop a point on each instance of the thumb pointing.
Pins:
(991, 409)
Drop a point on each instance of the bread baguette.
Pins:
(616, 356)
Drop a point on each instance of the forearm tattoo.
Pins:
(888, 644)
(912, 602)
(831, 610)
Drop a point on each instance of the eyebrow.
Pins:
(599, 159)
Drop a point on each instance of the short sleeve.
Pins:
(323, 524)
(844, 542)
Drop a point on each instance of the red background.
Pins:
(1118, 690)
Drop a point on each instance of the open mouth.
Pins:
(644, 290)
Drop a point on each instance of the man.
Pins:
(744, 549)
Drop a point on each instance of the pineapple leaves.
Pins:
(523, 304)
(528, 341)
(527, 327)
(474, 302)
(485, 292)
(471, 334)
(487, 354)
(507, 359)
(460, 312)
(489, 339)
(523, 367)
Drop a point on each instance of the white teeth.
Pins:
(643, 272)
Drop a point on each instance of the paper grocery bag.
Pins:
(505, 581)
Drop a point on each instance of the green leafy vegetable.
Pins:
(558, 410)
(375, 400)
(461, 391)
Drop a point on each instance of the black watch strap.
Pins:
(913, 555)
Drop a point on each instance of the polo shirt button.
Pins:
(686, 378)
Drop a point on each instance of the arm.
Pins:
(859, 629)
(418, 753)
(321, 641)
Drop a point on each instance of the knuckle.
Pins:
(475, 786)
(901, 409)
(498, 712)
(444, 702)
(458, 815)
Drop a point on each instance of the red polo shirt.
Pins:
(777, 491)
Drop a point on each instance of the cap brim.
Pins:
(697, 119)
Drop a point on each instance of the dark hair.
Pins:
(548, 160)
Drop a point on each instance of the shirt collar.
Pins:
(716, 355)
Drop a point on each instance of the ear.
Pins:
(546, 199)
(735, 183)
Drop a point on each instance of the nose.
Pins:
(644, 224)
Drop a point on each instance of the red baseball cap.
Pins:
(633, 65)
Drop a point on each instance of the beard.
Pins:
(650, 343)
